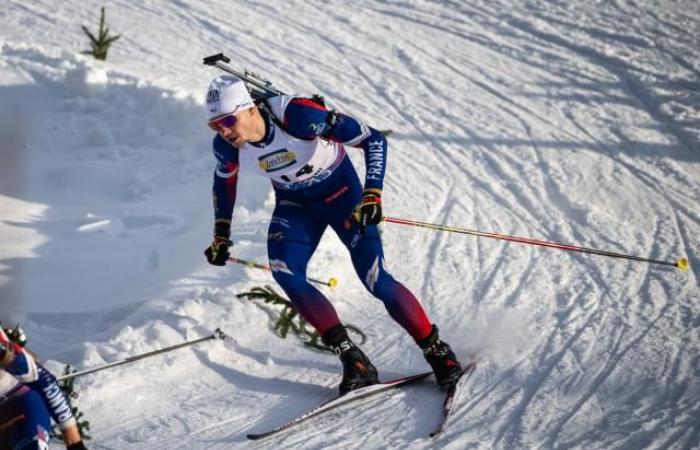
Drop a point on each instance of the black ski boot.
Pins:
(358, 371)
(441, 358)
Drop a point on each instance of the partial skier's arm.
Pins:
(18, 362)
(224, 197)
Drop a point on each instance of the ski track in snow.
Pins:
(571, 122)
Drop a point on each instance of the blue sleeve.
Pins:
(306, 118)
(225, 179)
(350, 131)
(54, 398)
(374, 146)
(22, 367)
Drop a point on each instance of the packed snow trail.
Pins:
(574, 122)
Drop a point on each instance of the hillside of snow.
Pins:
(575, 122)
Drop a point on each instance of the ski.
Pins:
(342, 400)
(448, 403)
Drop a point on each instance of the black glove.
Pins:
(217, 253)
(77, 446)
(369, 210)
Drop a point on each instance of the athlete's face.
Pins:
(240, 128)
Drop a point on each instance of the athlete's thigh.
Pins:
(337, 209)
(293, 235)
(365, 248)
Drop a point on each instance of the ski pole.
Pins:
(681, 264)
(218, 334)
(331, 283)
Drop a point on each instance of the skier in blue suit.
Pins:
(29, 398)
(300, 146)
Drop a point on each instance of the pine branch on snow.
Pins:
(289, 319)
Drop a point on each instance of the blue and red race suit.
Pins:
(316, 186)
(29, 398)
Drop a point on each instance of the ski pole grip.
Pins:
(213, 59)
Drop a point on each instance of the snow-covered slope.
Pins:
(576, 122)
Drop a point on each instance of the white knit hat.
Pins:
(227, 95)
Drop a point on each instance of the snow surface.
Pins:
(576, 122)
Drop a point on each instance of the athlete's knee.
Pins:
(378, 281)
(287, 277)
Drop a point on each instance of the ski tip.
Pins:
(254, 437)
(683, 265)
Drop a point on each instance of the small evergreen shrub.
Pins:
(100, 44)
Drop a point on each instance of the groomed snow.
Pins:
(576, 122)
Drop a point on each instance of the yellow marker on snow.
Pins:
(683, 265)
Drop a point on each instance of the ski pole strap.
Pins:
(681, 264)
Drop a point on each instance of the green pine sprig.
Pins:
(288, 319)
(100, 44)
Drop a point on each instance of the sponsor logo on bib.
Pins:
(277, 160)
